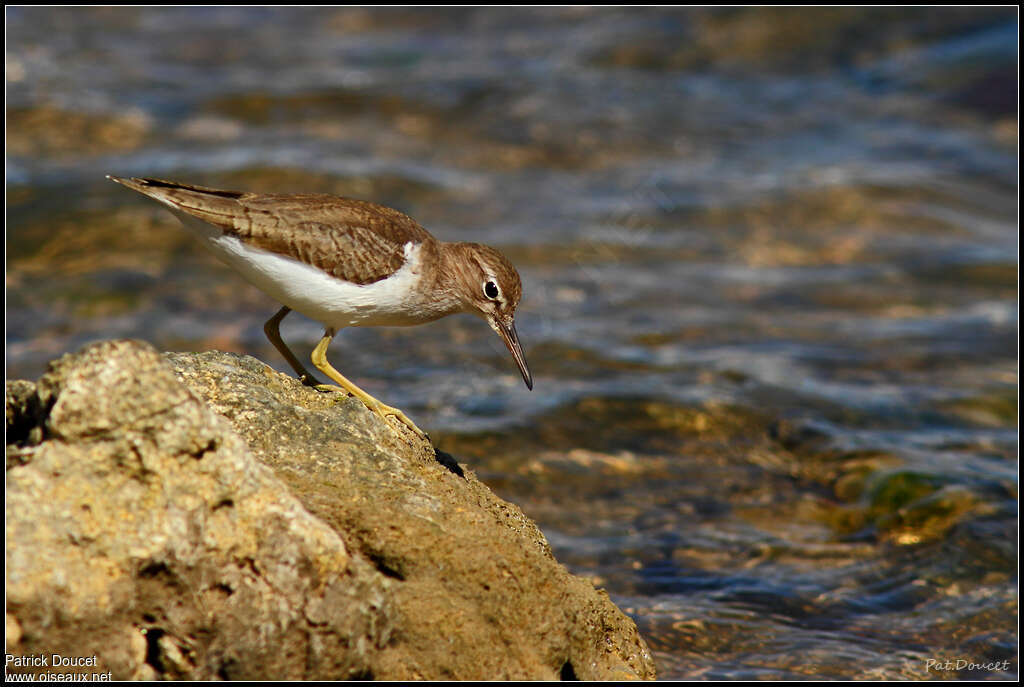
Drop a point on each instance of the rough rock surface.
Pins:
(201, 516)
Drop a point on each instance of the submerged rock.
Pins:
(201, 516)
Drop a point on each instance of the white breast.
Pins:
(317, 295)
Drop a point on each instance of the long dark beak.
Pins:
(511, 339)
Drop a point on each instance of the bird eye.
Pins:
(491, 290)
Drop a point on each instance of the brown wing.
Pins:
(354, 240)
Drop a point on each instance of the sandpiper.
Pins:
(345, 263)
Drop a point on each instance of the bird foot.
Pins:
(384, 411)
(324, 388)
(309, 380)
(375, 406)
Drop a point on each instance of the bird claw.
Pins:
(382, 410)
(327, 388)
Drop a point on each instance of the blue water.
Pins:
(770, 266)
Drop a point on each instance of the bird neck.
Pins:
(456, 274)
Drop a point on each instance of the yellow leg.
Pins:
(271, 329)
(319, 358)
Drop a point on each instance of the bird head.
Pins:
(489, 287)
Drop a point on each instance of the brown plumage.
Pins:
(354, 240)
(386, 268)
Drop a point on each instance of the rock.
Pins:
(201, 516)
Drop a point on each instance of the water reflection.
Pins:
(770, 267)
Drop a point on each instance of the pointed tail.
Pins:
(219, 208)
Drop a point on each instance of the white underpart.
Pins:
(317, 295)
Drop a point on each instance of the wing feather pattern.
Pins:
(353, 240)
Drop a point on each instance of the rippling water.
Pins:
(771, 282)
